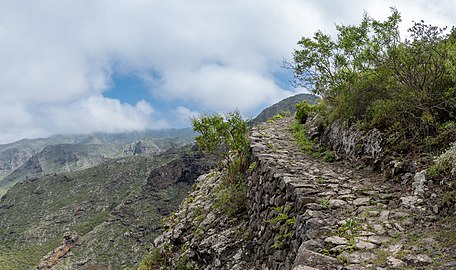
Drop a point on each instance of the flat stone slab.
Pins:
(336, 240)
(364, 245)
(337, 203)
(300, 267)
(357, 257)
(376, 239)
(395, 263)
(362, 201)
(308, 258)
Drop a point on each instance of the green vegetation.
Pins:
(368, 74)
(349, 229)
(223, 136)
(252, 166)
(230, 199)
(444, 171)
(35, 214)
(157, 258)
(227, 138)
(15, 257)
(444, 167)
(283, 225)
(324, 202)
(279, 116)
(283, 108)
(303, 111)
(299, 132)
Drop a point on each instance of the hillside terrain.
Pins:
(362, 179)
(93, 201)
(102, 205)
(285, 105)
(304, 213)
(64, 153)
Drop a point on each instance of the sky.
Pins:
(86, 66)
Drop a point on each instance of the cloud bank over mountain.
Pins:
(60, 58)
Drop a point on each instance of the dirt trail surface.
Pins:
(355, 219)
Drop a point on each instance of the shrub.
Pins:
(303, 111)
(230, 199)
(299, 134)
(223, 136)
(369, 74)
(444, 168)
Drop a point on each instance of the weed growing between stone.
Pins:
(299, 132)
(283, 223)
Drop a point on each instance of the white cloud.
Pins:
(184, 114)
(58, 56)
(219, 88)
(93, 114)
(99, 114)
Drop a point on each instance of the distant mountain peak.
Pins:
(287, 104)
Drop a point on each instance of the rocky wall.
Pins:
(281, 197)
(352, 142)
(309, 214)
(272, 211)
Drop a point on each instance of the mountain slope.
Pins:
(36, 213)
(287, 104)
(16, 154)
(82, 151)
(124, 238)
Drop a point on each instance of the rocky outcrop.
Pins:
(11, 159)
(350, 141)
(70, 240)
(202, 235)
(365, 147)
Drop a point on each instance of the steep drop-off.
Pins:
(304, 213)
(103, 205)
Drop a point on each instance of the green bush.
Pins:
(299, 134)
(223, 136)
(370, 76)
(303, 111)
(444, 168)
(157, 259)
(231, 199)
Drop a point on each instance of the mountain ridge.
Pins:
(25, 157)
(285, 105)
(36, 213)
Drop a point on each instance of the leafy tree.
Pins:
(329, 67)
(223, 136)
(368, 73)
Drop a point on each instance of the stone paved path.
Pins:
(357, 220)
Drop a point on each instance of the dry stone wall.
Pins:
(305, 214)
(308, 214)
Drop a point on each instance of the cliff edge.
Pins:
(304, 213)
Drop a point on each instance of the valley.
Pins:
(111, 195)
